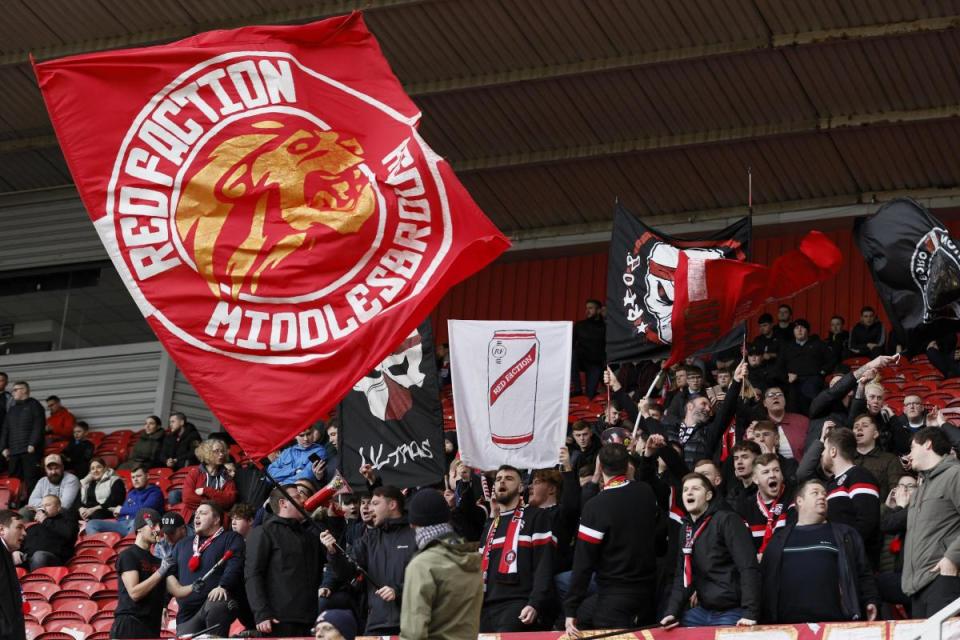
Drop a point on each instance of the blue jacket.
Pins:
(229, 576)
(150, 497)
(294, 463)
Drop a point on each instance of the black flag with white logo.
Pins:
(916, 268)
(392, 418)
(640, 284)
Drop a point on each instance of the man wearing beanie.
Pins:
(336, 624)
(442, 587)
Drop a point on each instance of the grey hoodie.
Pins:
(933, 525)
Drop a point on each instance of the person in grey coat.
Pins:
(931, 555)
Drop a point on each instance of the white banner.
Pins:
(511, 391)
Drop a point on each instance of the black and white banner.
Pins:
(511, 388)
(392, 418)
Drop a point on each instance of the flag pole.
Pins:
(653, 385)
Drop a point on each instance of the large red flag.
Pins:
(714, 295)
(266, 198)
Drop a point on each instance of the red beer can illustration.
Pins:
(513, 359)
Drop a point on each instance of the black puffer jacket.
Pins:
(283, 569)
(23, 426)
(725, 570)
(384, 553)
(702, 443)
(181, 449)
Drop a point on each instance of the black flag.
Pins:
(392, 418)
(640, 284)
(916, 268)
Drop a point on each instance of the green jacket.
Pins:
(442, 592)
(933, 525)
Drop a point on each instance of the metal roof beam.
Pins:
(701, 138)
(308, 11)
(633, 61)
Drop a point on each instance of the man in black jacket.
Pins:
(180, 443)
(12, 533)
(805, 360)
(623, 556)
(21, 436)
(868, 337)
(383, 552)
(50, 543)
(806, 560)
(589, 348)
(283, 568)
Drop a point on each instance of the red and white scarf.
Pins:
(615, 481)
(508, 551)
(772, 514)
(199, 548)
(689, 539)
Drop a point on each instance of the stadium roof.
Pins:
(549, 109)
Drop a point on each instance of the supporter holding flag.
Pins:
(282, 569)
(518, 550)
(141, 593)
(817, 556)
(383, 553)
(766, 511)
(623, 556)
(931, 554)
(717, 562)
(207, 593)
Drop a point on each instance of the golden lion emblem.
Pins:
(264, 176)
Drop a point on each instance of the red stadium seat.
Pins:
(86, 572)
(99, 635)
(97, 555)
(33, 630)
(4, 497)
(39, 609)
(125, 474)
(62, 625)
(54, 635)
(76, 590)
(107, 593)
(102, 621)
(107, 605)
(55, 617)
(96, 437)
(21, 572)
(84, 608)
(105, 539)
(13, 485)
(47, 574)
(40, 590)
(160, 472)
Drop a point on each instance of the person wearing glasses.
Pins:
(893, 524)
(792, 427)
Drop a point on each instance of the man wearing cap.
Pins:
(57, 482)
(806, 360)
(172, 530)
(21, 435)
(141, 595)
(12, 534)
(442, 586)
(766, 342)
(335, 624)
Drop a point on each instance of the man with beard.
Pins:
(697, 433)
(791, 427)
(518, 559)
(853, 492)
(383, 552)
(58, 483)
(885, 466)
(212, 602)
(180, 442)
(766, 511)
(589, 347)
(806, 562)
(623, 556)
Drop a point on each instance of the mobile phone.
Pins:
(314, 457)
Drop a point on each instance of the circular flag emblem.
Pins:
(264, 211)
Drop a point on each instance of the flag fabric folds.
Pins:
(511, 388)
(641, 276)
(712, 296)
(916, 269)
(392, 418)
(267, 200)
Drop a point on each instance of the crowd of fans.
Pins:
(780, 488)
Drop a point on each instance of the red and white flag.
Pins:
(511, 391)
(711, 296)
(267, 200)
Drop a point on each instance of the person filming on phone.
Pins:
(297, 461)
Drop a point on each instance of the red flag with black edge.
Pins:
(714, 295)
(267, 200)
